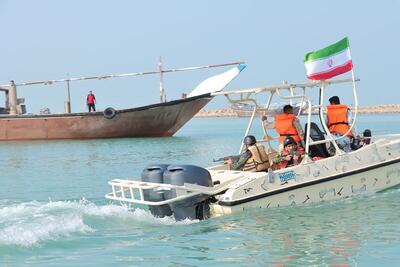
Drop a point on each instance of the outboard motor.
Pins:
(154, 174)
(196, 207)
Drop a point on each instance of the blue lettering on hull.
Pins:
(286, 176)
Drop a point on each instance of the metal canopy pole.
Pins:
(250, 124)
(321, 116)
(257, 90)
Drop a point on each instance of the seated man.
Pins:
(338, 123)
(292, 153)
(286, 124)
(252, 159)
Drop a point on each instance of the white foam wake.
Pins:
(82, 206)
(32, 223)
(29, 233)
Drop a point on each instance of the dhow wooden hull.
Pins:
(158, 120)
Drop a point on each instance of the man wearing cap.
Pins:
(338, 123)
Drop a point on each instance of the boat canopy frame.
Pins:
(247, 96)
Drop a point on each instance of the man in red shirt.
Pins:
(292, 153)
(91, 101)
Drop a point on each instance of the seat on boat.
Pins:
(316, 134)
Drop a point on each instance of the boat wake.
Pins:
(33, 223)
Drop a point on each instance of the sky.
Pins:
(46, 39)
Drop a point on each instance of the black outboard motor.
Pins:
(196, 207)
(154, 174)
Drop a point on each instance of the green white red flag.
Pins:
(329, 61)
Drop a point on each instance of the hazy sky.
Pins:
(50, 39)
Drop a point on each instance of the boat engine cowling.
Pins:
(196, 207)
(154, 174)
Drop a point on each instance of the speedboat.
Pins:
(325, 173)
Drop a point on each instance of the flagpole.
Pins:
(355, 97)
(323, 122)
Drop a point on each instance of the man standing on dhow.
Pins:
(91, 101)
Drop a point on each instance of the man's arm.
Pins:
(242, 160)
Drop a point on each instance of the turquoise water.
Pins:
(53, 211)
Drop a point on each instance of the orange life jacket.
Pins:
(284, 127)
(337, 119)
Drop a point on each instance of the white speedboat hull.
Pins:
(373, 168)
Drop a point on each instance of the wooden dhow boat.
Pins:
(157, 120)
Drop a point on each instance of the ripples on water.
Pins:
(53, 211)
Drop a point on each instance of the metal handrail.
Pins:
(285, 86)
(121, 187)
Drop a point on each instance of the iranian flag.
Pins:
(329, 61)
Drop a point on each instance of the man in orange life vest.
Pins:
(253, 159)
(286, 124)
(91, 101)
(338, 123)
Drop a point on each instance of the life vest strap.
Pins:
(288, 134)
(336, 123)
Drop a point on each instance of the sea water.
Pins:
(53, 211)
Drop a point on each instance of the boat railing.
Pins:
(132, 191)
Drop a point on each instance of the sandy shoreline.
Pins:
(228, 112)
